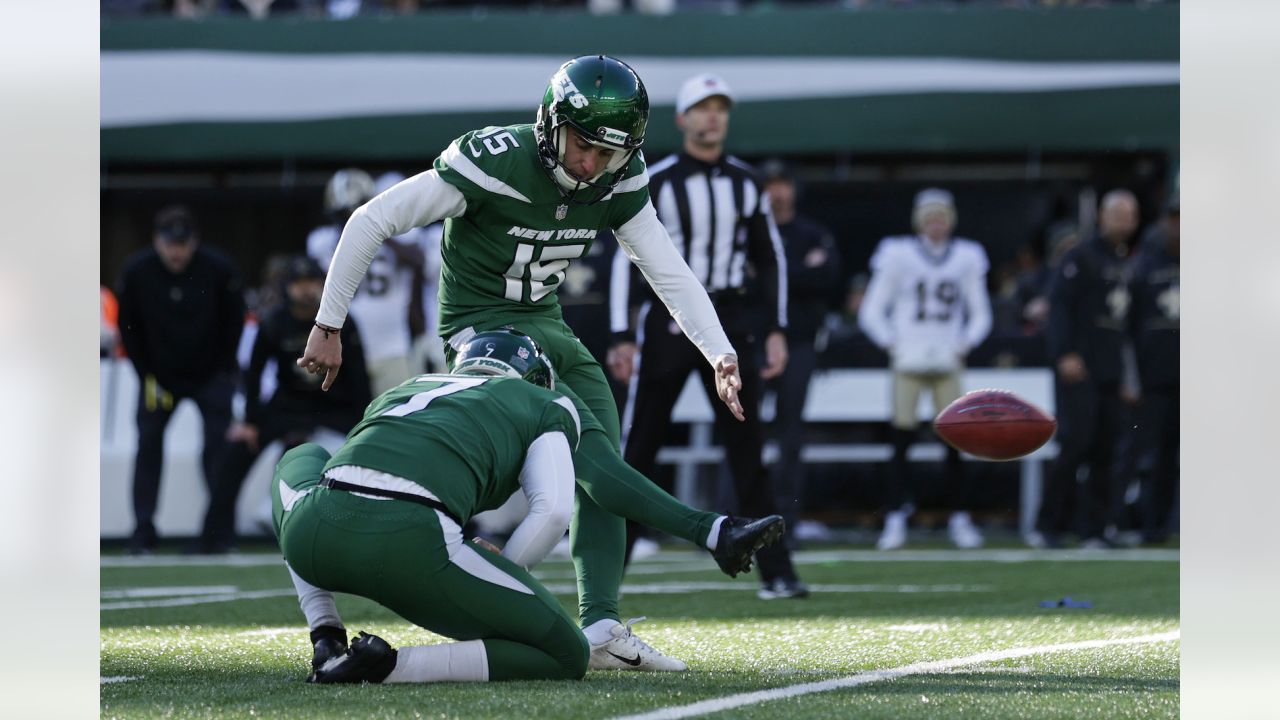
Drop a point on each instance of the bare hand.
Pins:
(815, 257)
(245, 433)
(487, 545)
(322, 354)
(728, 383)
(1071, 368)
(621, 361)
(775, 355)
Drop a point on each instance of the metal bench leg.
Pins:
(687, 469)
(1032, 489)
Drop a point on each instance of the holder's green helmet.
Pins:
(603, 99)
(508, 353)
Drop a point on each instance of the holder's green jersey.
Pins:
(462, 437)
(509, 251)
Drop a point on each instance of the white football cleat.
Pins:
(625, 651)
(894, 534)
(964, 534)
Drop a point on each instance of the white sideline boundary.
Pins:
(699, 560)
(202, 595)
(730, 702)
(197, 600)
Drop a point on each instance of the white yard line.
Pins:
(273, 632)
(730, 702)
(668, 560)
(151, 592)
(117, 679)
(250, 560)
(196, 600)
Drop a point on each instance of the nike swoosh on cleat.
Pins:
(633, 662)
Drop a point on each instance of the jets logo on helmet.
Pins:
(566, 90)
(612, 112)
(506, 353)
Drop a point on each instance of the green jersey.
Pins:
(462, 437)
(509, 251)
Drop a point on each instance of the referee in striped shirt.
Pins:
(714, 207)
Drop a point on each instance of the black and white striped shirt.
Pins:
(719, 219)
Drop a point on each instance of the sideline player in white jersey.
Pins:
(383, 304)
(927, 306)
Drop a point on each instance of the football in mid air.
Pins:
(994, 425)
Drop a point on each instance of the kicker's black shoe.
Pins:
(740, 538)
(369, 659)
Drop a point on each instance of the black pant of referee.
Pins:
(665, 359)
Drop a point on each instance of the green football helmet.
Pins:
(507, 353)
(602, 99)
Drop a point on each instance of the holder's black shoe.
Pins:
(369, 659)
(327, 643)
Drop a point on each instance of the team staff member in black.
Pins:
(813, 278)
(1156, 319)
(181, 313)
(714, 207)
(297, 408)
(1089, 303)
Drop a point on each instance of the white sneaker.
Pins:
(894, 534)
(644, 549)
(964, 534)
(625, 651)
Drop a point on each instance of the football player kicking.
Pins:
(382, 518)
(519, 203)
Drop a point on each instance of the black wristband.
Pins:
(329, 632)
(327, 330)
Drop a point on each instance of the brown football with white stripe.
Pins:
(994, 425)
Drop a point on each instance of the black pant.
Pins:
(666, 359)
(1158, 468)
(1088, 429)
(293, 426)
(791, 388)
(900, 490)
(214, 401)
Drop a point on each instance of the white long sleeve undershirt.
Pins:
(547, 480)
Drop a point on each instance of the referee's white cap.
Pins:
(699, 88)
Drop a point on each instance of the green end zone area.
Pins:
(900, 631)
